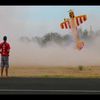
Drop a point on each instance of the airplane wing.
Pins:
(80, 19)
(65, 24)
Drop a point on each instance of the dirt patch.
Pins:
(54, 72)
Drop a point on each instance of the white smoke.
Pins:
(31, 54)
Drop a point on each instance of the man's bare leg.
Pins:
(2, 69)
(6, 71)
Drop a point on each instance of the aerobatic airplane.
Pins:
(72, 23)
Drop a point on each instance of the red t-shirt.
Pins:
(4, 47)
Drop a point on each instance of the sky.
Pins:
(17, 21)
(38, 20)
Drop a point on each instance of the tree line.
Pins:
(54, 37)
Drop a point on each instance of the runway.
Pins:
(16, 85)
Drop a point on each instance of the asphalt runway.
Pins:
(15, 85)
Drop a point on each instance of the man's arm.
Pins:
(8, 48)
(0, 48)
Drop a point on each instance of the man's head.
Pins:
(5, 38)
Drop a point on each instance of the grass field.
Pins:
(56, 72)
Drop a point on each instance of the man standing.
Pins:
(4, 50)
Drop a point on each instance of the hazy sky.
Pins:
(16, 21)
(38, 20)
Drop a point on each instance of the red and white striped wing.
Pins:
(65, 24)
(80, 19)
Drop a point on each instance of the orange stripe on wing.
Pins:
(77, 22)
(62, 26)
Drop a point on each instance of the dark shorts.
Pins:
(5, 61)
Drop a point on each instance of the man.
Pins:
(4, 50)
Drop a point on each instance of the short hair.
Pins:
(5, 38)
